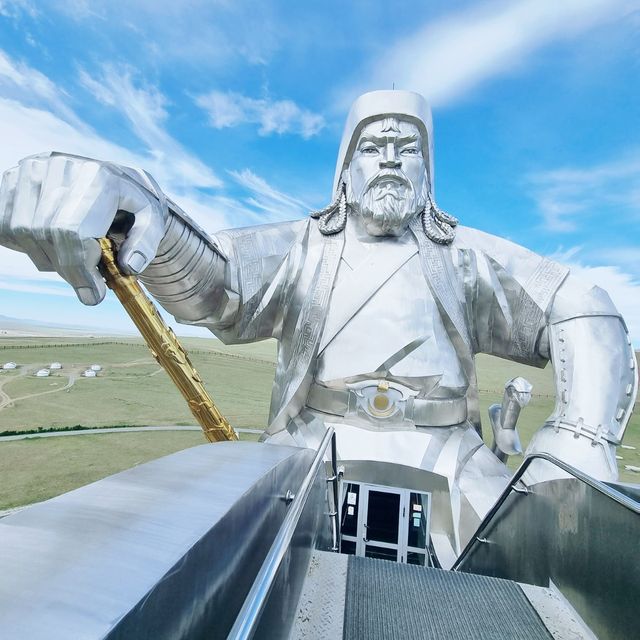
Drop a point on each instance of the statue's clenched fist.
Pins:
(53, 207)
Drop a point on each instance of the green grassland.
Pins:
(132, 390)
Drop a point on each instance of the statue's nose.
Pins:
(390, 159)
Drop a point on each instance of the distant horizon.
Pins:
(30, 326)
(105, 332)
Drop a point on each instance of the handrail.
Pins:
(576, 473)
(335, 522)
(249, 616)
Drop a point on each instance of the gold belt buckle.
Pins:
(381, 404)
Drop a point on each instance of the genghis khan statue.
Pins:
(379, 302)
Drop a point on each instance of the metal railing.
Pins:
(334, 513)
(249, 616)
(599, 486)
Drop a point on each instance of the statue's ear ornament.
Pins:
(333, 218)
(438, 225)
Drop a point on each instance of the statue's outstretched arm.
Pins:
(233, 284)
(187, 275)
(596, 380)
(54, 207)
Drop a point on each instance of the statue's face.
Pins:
(386, 178)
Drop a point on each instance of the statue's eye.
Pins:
(369, 151)
(410, 151)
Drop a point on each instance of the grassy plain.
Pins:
(132, 390)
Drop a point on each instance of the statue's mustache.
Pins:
(389, 182)
(389, 192)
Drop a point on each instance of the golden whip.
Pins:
(165, 347)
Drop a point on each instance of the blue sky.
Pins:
(237, 109)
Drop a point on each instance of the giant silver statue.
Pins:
(379, 302)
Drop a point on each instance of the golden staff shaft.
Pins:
(165, 347)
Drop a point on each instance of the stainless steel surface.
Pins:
(630, 490)
(149, 552)
(503, 418)
(577, 533)
(384, 399)
(596, 384)
(53, 206)
(409, 308)
(187, 273)
(320, 609)
(562, 621)
(373, 106)
(249, 617)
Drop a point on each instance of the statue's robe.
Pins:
(494, 297)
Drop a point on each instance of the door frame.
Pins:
(402, 547)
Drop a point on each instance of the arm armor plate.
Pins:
(595, 378)
(187, 276)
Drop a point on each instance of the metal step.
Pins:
(356, 598)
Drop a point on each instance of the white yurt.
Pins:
(89, 373)
(55, 365)
(96, 367)
(9, 365)
(42, 373)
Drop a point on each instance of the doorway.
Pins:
(385, 522)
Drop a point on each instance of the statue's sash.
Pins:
(440, 274)
(306, 337)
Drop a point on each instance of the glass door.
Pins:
(416, 535)
(385, 522)
(380, 532)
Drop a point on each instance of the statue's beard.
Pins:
(388, 203)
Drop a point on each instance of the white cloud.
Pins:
(230, 109)
(26, 131)
(207, 33)
(16, 8)
(34, 117)
(623, 287)
(145, 109)
(629, 257)
(34, 287)
(449, 57)
(21, 82)
(80, 9)
(267, 200)
(14, 264)
(566, 196)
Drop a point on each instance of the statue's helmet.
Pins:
(369, 107)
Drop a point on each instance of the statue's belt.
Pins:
(382, 400)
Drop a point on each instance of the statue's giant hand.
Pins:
(53, 207)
